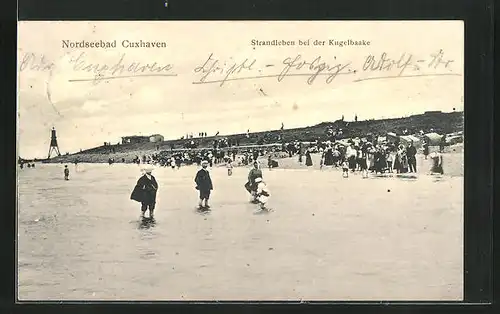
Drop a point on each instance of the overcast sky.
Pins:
(86, 114)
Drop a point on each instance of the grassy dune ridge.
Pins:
(438, 122)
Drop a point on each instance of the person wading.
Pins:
(145, 192)
(254, 173)
(204, 185)
(261, 193)
(66, 173)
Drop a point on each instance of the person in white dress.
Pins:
(262, 193)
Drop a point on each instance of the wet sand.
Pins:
(328, 238)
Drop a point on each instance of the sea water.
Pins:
(328, 238)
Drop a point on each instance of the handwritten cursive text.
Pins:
(315, 68)
(214, 66)
(33, 62)
(118, 69)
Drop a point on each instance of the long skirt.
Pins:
(309, 162)
(352, 162)
(328, 159)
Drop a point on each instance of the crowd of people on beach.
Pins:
(365, 156)
(238, 157)
(352, 155)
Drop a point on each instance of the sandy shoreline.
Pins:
(453, 163)
(130, 155)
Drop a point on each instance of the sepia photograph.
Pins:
(240, 160)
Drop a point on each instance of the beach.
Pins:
(327, 238)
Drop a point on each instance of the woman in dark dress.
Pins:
(309, 162)
(380, 161)
(145, 192)
(404, 163)
(328, 156)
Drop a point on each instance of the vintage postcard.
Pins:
(240, 160)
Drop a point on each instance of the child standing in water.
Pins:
(203, 184)
(262, 193)
(66, 173)
(145, 192)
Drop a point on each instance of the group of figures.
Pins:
(177, 159)
(146, 188)
(363, 156)
(21, 165)
(378, 159)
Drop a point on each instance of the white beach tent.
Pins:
(433, 138)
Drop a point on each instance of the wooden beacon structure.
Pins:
(53, 144)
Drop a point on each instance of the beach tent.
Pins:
(155, 138)
(433, 138)
(407, 139)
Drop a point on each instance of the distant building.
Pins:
(433, 112)
(135, 139)
(156, 138)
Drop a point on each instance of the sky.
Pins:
(86, 114)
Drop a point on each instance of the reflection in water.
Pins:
(146, 223)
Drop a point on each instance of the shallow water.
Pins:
(328, 238)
